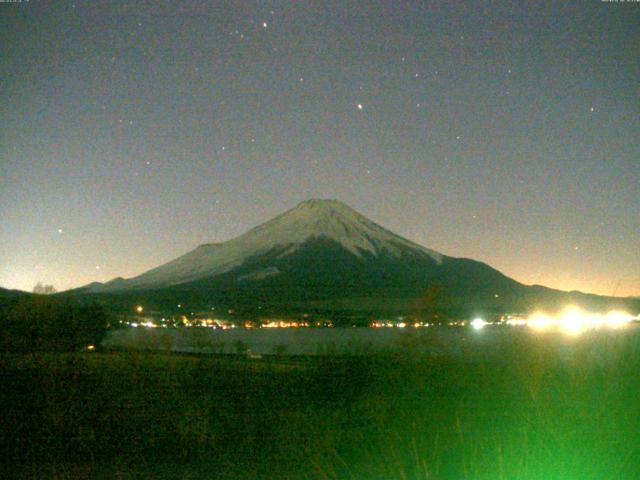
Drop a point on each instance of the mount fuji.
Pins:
(322, 253)
(313, 221)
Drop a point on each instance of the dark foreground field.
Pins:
(518, 413)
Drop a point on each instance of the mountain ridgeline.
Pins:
(324, 256)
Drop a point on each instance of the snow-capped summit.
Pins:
(312, 219)
(334, 220)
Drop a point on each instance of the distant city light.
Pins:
(539, 321)
(573, 320)
(516, 321)
(284, 324)
(617, 319)
(478, 323)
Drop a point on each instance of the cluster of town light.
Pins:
(216, 323)
(572, 320)
(401, 324)
(285, 324)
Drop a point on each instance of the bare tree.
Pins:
(44, 289)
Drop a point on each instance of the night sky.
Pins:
(507, 132)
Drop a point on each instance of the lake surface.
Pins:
(435, 340)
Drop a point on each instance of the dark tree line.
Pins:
(49, 324)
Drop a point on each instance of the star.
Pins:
(59, 230)
(264, 25)
(360, 107)
(592, 109)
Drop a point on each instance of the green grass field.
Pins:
(520, 413)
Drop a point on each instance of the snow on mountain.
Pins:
(285, 233)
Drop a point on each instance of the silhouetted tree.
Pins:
(44, 289)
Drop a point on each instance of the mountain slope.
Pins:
(322, 252)
(6, 293)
